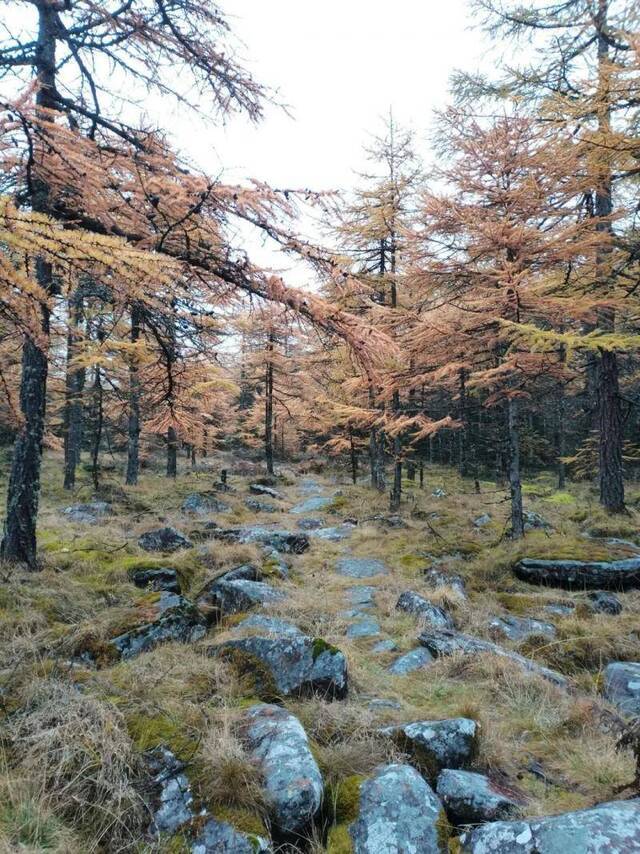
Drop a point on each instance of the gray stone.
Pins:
(412, 603)
(260, 489)
(297, 665)
(605, 603)
(361, 595)
(257, 506)
(612, 828)
(535, 522)
(274, 562)
(279, 747)
(482, 521)
(171, 793)
(436, 578)
(360, 567)
(379, 704)
(384, 646)
(365, 628)
(471, 798)
(622, 686)
(203, 505)
(268, 625)
(439, 493)
(222, 597)
(157, 578)
(441, 642)
(219, 837)
(560, 609)
(282, 541)
(309, 524)
(313, 504)
(416, 659)
(398, 812)
(435, 745)
(178, 620)
(88, 513)
(334, 534)
(520, 628)
(164, 540)
(245, 572)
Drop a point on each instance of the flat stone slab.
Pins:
(471, 798)
(412, 603)
(313, 504)
(360, 567)
(398, 812)
(441, 642)
(157, 578)
(260, 489)
(365, 628)
(279, 746)
(361, 595)
(203, 505)
(164, 540)
(410, 661)
(224, 597)
(384, 646)
(520, 628)
(436, 745)
(268, 625)
(622, 686)
(178, 620)
(581, 575)
(333, 534)
(257, 506)
(603, 602)
(288, 542)
(298, 665)
(612, 828)
(220, 837)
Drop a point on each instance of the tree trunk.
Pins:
(515, 486)
(133, 431)
(462, 432)
(421, 471)
(611, 435)
(396, 492)
(19, 540)
(268, 407)
(74, 386)
(353, 455)
(97, 427)
(172, 452)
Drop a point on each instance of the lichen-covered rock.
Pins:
(520, 628)
(279, 746)
(535, 522)
(360, 567)
(245, 572)
(288, 542)
(397, 812)
(313, 504)
(257, 506)
(295, 665)
(164, 540)
(482, 521)
(436, 579)
(220, 837)
(223, 597)
(203, 505)
(88, 513)
(333, 534)
(441, 642)
(471, 798)
(366, 627)
(172, 800)
(622, 686)
(363, 596)
(415, 659)
(157, 578)
(605, 603)
(413, 603)
(581, 575)
(382, 646)
(309, 524)
(261, 489)
(435, 745)
(267, 625)
(612, 828)
(178, 620)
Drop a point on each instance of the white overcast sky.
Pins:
(339, 65)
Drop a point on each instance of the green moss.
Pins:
(561, 498)
(177, 844)
(254, 676)
(444, 830)
(342, 800)
(243, 820)
(320, 645)
(455, 846)
(338, 503)
(149, 731)
(339, 840)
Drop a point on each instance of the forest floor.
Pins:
(552, 748)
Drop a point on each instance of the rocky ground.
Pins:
(281, 665)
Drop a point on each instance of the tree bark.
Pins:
(353, 455)
(268, 406)
(462, 432)
(515, 486)
(133, 429)
(396, 491)
(19, 540)
(96, 439)
(172, 452)
(74, 386)
(610, 423)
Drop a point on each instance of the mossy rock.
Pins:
(320, 645)
(244, 820)
(254, 677)
(149, 731)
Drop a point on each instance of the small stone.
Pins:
(172, 798)
(416, 659)
(257, 506)
(622, 686)
(260, 489)
(333, 534)
(439, 493)
(560, 609)
(471, 798)
(220, 837)
(88, 513)
(157, 578)
(203, 505)
(358, 567)
(520, 628)
(313, 504)
(482, 521)
(605, 603)
(164, 540)
(366, 628)
(179, 621)
(435, 745)
(535, 522)
(309, 524)
(222, 597)
(418, 606)
(361, 595)
(436, 579)
(267, 625)
(384, 646)
(383, 705)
